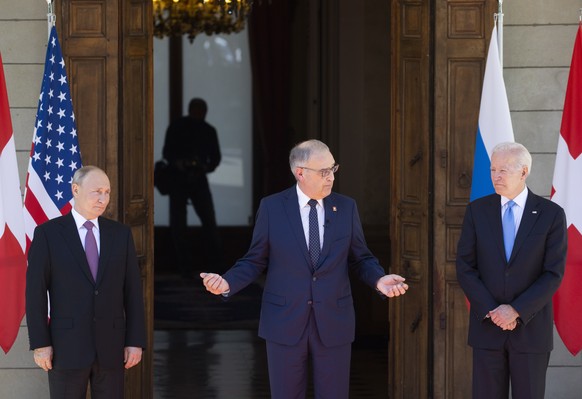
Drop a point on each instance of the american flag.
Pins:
(55, 154)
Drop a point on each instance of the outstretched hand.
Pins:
(392, 285)
(214, 283)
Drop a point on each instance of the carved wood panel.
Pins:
(439, 49)
(461, 30)
(410, 167)
(107, 45)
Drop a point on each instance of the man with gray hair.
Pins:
(88, 266)
(510, 261)
(307, 238)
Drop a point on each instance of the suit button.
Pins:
(96, 292)
(314, 278)
(310, 303)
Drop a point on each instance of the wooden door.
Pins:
(462, 31)
(410, 184)
(107, 45)
(439, 61)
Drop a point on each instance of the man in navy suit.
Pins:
(96, 326)
(307, 238)
(510, 260)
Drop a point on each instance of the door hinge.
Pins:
(443, 321)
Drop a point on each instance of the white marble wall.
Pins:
(538, 42)
(539, 37)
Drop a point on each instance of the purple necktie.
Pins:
(91, 249)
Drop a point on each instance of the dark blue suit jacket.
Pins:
(527, 282)
(292, 288)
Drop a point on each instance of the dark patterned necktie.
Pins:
(91, 249)
(314, 245)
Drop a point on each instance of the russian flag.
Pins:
(494, 121)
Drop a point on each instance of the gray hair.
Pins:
(81, 173)
(518, 151)
(302, 152)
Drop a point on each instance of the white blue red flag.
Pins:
(55, 154)
(494, 121)
(567, 192)
(12, 241)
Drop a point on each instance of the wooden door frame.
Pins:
(108, 50)
(445, 43)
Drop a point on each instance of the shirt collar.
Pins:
(80, 220)
(520, 199)
(304, 199)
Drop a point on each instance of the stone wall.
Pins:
(23, 40)
(539, 39)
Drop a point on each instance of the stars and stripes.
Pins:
(55, 154)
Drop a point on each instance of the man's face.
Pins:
(309, 178)
(507, 179)
(92, 195)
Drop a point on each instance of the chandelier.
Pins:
(191, 17)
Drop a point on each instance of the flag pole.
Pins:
(500, 31)
(50, 16)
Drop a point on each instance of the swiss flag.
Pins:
(12, 237)
(567, 192)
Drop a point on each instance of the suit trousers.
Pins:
(288, 367)
(106, 383)
(493, 370)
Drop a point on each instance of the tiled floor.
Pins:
(231, 364)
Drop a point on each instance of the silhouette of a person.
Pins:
(191, 149)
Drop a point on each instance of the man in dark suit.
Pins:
(192, 151)
(90, 272)
(510, 260)
(307, 238)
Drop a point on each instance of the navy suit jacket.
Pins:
(527, 281)
(88, 319)
(293, 289)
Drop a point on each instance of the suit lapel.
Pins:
(331, 210)
(107, 241)
(73, 241)
(493, 215)
(528, 220)
(291, 205)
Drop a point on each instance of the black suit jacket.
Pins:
(527, 281)
(293, 289)
(88, 319)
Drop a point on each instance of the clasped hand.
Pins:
(504, 316)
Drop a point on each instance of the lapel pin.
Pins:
(534, 212)
(333, 208)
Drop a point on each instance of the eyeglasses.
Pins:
(324, 172)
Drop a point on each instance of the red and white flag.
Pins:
(54, 156)
(567, 192)
(12, 240)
